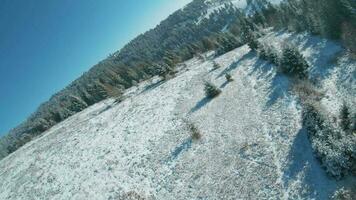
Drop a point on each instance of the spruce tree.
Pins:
(252, 41)
(345, 118)
(211, 90)
(293, 63)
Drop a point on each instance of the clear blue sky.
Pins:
(46, 44)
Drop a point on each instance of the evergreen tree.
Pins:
(252, 42)
(345, 118)
(211, 90)
(293, 63)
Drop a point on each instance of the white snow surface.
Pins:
(252, 144)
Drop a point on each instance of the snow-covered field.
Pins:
(252, 144)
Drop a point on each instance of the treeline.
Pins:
(334, 19)
(181, 36)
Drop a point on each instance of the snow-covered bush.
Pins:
(229, 77)
(335, 149)
(194, 131)
(211, 90)
(292, 63)
(307, 92)
(343, 194)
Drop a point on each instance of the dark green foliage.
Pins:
(345, 118)
(211, 91)
(252, 42)
(334, 148)
(335, 19)
(262, 52)
(268, 53)
(293, 64)
(248, 35)
(227, 42)
(272, 56)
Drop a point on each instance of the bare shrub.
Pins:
(195, 133)
(131, 195)
(307, 92)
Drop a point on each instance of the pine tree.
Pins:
(272, 56)
(345, 118)
(262, 51)
(252, 41)
(293, 63)
(211, 90)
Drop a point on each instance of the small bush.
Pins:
(293, 64)
(307, 92)
(201, 57)
(228, 77)
(194, 131)
(216, 66)
(211, 90)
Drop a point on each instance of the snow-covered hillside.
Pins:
(247, 6)
(252, 144)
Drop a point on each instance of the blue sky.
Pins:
(46, 44)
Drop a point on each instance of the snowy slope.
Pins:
(252, 145)
(214, 5)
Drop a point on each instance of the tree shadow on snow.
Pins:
(302, 160)
(185, 145)
(105, 109)
(200, 104)
(152, 86)
(279, 84)
(278, 89)
(234, 65)
(224, 84)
